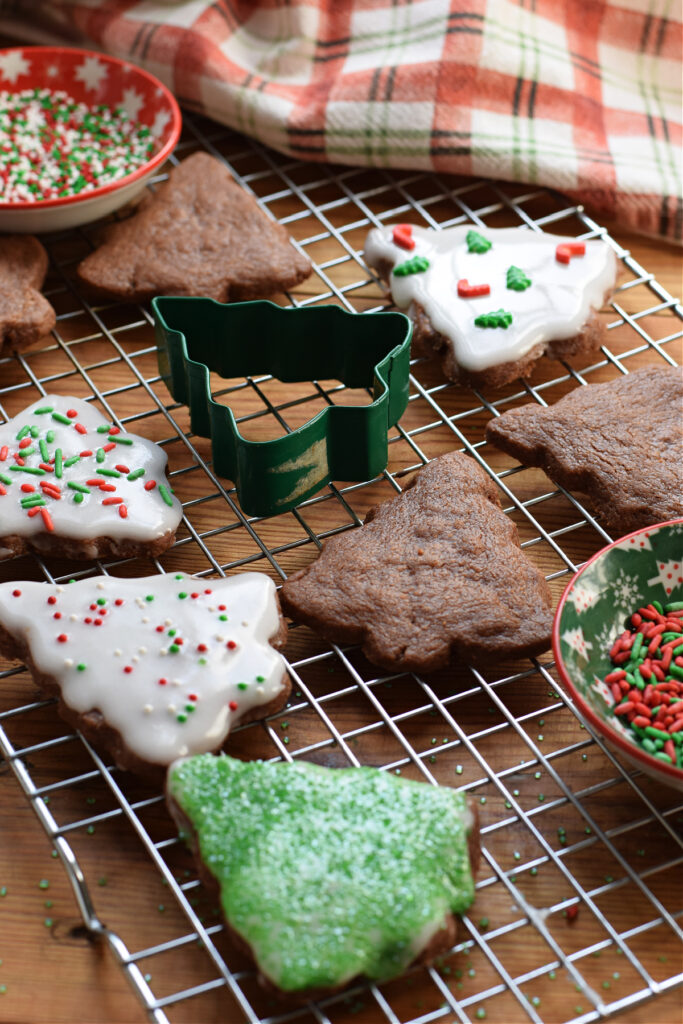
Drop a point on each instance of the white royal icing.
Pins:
(223, 667)
(555, 306)
(149, 512)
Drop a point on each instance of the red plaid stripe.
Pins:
(581, 96)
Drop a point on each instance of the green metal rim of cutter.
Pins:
(198, 336)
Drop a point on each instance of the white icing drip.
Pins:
(556, 306)
(149, 517)
(135, 702)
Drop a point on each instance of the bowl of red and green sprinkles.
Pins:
(618, 645)
(81, 134)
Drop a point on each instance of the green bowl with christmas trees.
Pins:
(616, 646)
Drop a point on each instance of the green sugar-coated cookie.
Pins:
(327, 874)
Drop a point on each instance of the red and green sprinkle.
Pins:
(52, 147)
(53, 464)
(647, 680)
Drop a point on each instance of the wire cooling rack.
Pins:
(578, 891)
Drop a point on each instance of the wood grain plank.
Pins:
(54, 974)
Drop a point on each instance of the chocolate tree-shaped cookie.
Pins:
(620, 443)
(199, 234)
(25, 314)
(328, 874)
(436, 571)
(155, 668)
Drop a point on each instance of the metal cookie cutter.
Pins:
(197, 336)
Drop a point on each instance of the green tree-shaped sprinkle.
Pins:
(417, 265)
(517, 279)
(477, 242)
(497, 318)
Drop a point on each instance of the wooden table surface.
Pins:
(49, 971)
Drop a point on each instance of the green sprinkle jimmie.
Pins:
(55, 479)
(52, 147)
(647, 680)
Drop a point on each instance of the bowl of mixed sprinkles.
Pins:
(81, 133)
(618, 645)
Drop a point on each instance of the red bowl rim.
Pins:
(586, 710)
(156, 161)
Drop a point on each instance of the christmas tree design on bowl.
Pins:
(615, 641)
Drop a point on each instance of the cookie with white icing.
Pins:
(328, 875)
(155, 668)
(491, 302)
(75, 485)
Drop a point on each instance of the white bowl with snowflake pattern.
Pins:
(595, 609)
(93, 79)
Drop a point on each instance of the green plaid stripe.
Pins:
(456, 87)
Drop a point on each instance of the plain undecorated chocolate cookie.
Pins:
(25, 314)
(435, 572)
(199, 234)
(619, 443)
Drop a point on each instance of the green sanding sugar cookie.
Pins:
(325, 873)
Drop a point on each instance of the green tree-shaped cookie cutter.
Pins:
(197, 336)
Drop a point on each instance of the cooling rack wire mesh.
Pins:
(564, 824)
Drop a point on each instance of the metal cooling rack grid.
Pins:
(602, 837)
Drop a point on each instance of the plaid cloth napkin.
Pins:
(580, 95)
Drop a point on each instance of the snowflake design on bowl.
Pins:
(625, 590)
(607, 635)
